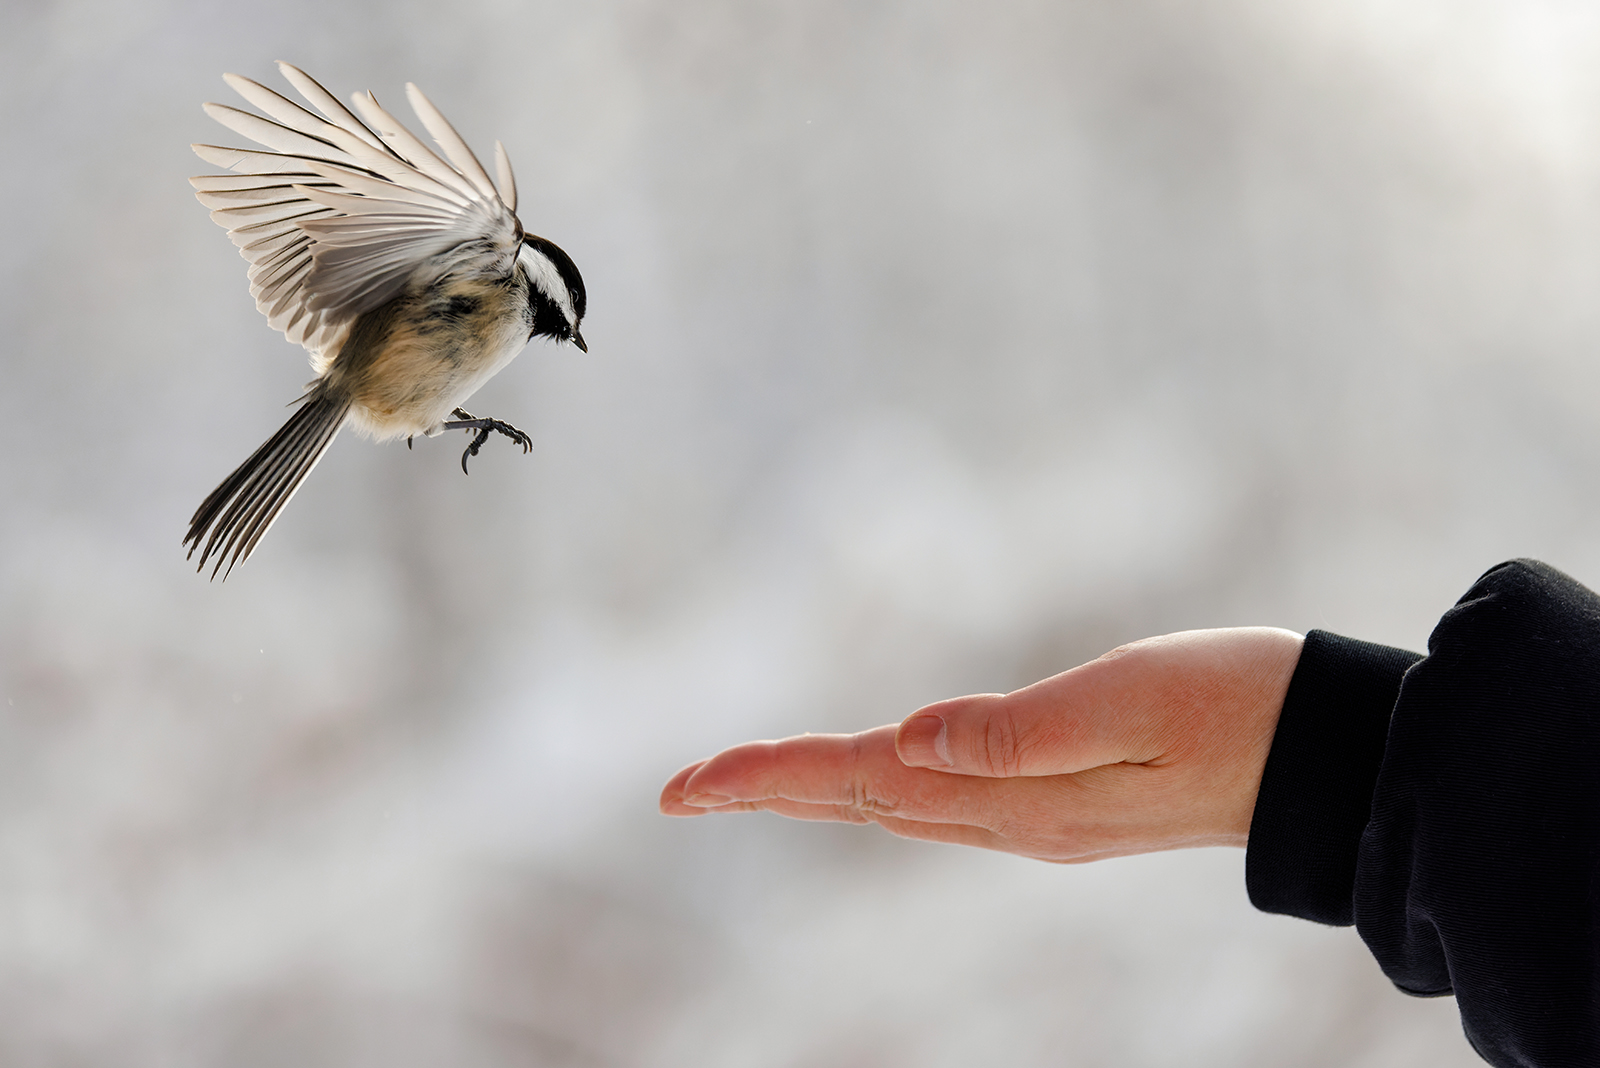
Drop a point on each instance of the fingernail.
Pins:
(678, 808)
(924, 743)
(707, 800)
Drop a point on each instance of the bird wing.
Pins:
(340, 212)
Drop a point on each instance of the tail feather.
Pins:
(267, 486)
(233, 519)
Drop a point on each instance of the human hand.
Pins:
(1156, 745)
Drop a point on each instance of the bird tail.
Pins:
(241, 510)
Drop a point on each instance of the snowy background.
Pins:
(936, 347)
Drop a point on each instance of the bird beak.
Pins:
(577, 339)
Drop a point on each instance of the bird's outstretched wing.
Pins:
(340, 212)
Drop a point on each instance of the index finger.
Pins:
(853, 773)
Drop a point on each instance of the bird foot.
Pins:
(484, 427)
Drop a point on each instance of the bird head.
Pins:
(557, 290)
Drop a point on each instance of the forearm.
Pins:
(1449, 806)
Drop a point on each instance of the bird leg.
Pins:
(465, 420)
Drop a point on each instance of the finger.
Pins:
(950, 833)
(1009, 735)
(1103, 811)
(1096, 714)
(672, 793)
(671, 806)
(954, 833)
(794, 810)
(814, 768)
(1150, 702)
(858, 772)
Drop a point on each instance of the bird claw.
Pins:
(484, 428)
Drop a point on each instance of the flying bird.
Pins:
(404, 272)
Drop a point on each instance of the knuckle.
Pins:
(867, 801)
(1000, 749)
(871, 802)
(1124, 651)
(874, 807)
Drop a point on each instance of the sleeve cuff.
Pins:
(1316, 790)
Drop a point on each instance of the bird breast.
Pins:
(408, 364)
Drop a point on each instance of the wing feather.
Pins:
(240, 215)
(285, 248)
(328, 104)
(280, 108)
(241, 183)
(507, 181)
(274, 135)
(350, 180)
(324, 142)
(340, 212)
(409, 147)
(455, 149)
(265, 248)
(250, 161)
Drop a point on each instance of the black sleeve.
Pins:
(1449, 806)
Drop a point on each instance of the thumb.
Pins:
(1052, 728)
(1211, 694)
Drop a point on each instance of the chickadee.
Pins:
(407, 276)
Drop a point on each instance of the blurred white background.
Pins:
(936, 347)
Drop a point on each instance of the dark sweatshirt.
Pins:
(1449, 807)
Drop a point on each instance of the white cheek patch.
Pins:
(543, 273)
